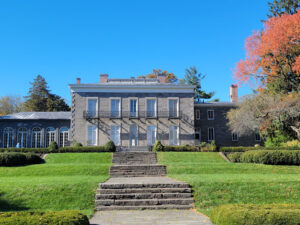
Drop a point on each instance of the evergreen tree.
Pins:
(40, 99)
(279, 7)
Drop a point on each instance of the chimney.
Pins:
(234, 93)
(78, 80)
(162, 78)
(103, 78)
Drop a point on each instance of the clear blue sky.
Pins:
(63, 40)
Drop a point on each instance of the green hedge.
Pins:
(53, 218)
(250, 148)
(277, 214)
(267, 157)
(19, 159)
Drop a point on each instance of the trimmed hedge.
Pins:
(180, 149)
(250, 148)
(267, 157)
(19, 159)
(53, 218)
(277, 214)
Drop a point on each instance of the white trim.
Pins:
(97, 104)
(96, 144)
(178, 135)
(155, 107)
(198, 110)
(120, 106)
(12, 137)
(178, 104)
(137, 134)
(32, 134)
(63, 132)
(214, 138)
(22, 132)
(151, 125)
(137, 106)
(208, 114)
(237, 137)
(46, 132)
(119, 134)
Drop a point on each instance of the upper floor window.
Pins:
(257, 137)
(22, 137)
(173, 108)
(235, 137)
(8, 137)
(210, 114)
(151, 108)
(92, 107)
(197, 114)
(133, 107)
(115, 108)
(211, 134)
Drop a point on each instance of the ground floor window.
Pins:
(211, 134)
(36, 137)
(115, 134)
(133, 135)
(235, 137)
(174, 135)
(63, 137)
(92, 135)
(257, 137)
(198, 134)
(22, 137)
(8, 137)
(151, 135)
(50, 136)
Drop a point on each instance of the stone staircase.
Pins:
(137, 182)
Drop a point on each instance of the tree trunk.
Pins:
(297, 130)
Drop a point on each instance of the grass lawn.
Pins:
(65, 181)
(216, 182)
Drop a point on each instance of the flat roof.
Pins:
(37, 116)
(226, 104)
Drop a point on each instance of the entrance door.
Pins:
(133, 135)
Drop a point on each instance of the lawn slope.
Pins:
(65, 181)
(216, 182)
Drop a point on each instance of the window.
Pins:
(115, 108)
(63, 137)
(22, 137)
(211, 134)
(8, 137)
(235, 137)
(198, 134)
(133, 135)
(50, 136)
(151, 108)
(173, 108)
(115, 134)
(174, 135)
(36, 137)
(257, 137)
(92, 107)
(210, 114)
(197, 114)
(151, 135)
(133, 107)
(92, 135)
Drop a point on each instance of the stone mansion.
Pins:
(133, 113)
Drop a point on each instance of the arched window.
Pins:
(36, 137)
(50, 136)
(8, 137)
(22, 137)
(63, 137)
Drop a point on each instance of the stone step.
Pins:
(141, 185)
(144, 190)
(137, 170)
(144, 207)
(134, 158)
(144, 196)
(143, 202)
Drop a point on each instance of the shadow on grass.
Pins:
(11, 206)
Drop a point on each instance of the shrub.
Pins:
(110, 146)
(277, 141)
(213, 146)
(53, 146)
(235, 157)
(77, 145)
(277, 214)
(180, 149)
(53, 218)
(19, 159)
(250, 148)
(292, 144)
(158, 147)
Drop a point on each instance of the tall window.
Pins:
(92, 135)
(257, 137)
(151, 108)
(50, 136)
(92, 107)
(210, 115)
(8, 137)
(115, 108)
(211, 134)
(173, 108)
(36, 137)
(22, 137)
(235, 137)
(151, 135)
(198, 134)
(115, 134)
(133, 135)
(133, 107)
(63, 137)
(174, 135)
(197, 114)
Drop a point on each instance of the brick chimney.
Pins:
(234, 93)
(103, 78)
(162, 78)
(78, 80)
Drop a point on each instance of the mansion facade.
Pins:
(133, 113)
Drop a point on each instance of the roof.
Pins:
(37, 116)
(214, 104)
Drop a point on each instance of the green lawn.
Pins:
(65, 181)
(217, 182)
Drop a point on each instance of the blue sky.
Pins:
(63, 40)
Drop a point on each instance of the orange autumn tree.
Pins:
(273, 55)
